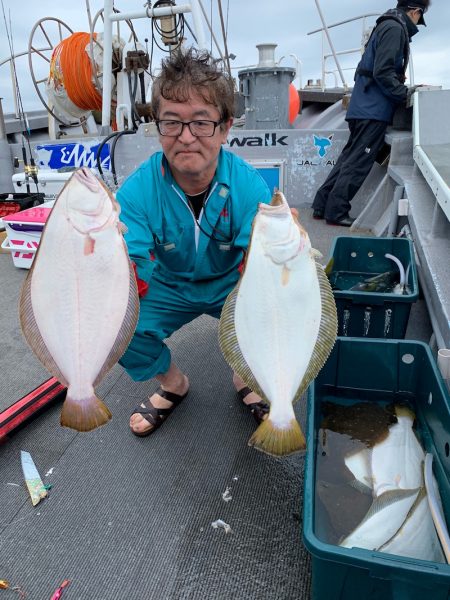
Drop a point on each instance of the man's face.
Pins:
(191, 156)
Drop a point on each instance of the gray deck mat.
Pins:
(130, 518)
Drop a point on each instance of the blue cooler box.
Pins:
(379, 371)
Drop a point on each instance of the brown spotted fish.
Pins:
(279, 324)
(79, 304)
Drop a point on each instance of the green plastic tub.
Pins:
(378, 370)
(371, 314)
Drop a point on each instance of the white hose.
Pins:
(436, 506)
(400, 268)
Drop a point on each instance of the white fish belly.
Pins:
(277, 322)
(397, 460)
(359, 465)
(381, 526)
(417, 538)
(80, 300)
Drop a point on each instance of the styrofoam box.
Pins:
(50, 182)
(24, 230)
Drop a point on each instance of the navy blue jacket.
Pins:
(379, 79)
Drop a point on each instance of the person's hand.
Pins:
(294, 212)
(409, 93)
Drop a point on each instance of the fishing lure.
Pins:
(33, 480)
(58, 593)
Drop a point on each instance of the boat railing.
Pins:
(366, 30)
(326, 37)
(431, 143)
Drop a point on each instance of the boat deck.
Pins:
(130, 517)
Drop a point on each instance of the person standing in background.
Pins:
(379, 89)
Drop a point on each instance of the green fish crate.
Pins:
(374, 314)
(378, 370)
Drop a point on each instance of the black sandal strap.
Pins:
(171, 397)
(156, 416)
(244, 392)
(258, 409)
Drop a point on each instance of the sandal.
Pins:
(157, 416)
(258, 409)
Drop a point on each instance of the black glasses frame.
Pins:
(188, 124)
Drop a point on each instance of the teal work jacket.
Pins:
(163, 233)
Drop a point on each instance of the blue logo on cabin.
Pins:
(58, 156)
(323, 144)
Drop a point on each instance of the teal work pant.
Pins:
(167, 306)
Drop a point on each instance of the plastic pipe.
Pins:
(444, 363)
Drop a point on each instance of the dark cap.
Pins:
(411, 4)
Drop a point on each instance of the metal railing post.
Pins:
(107, 68)
(327, 33)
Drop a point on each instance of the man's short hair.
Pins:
(194, 70)
(423, 4)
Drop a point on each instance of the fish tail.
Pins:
(278, 441)
(85, 414)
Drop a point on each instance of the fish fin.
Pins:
(278, 441)
(404, 411)
(328, 268)
(326, 336)
(229, 344)
(361, 487)
(85, 414)
(122, 227)
(126, 331)
(31, 331)
(420, 496)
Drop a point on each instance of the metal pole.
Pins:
(346, 21)
(327, 33)
(2, 123)
(197, 19)
(211, 31)
(107, 68)
(13, 80)
(151, 12)
(6, 168)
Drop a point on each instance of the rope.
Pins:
(76, 70)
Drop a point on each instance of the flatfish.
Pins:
(279, 323)
(79, 304)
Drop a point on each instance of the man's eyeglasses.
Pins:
(197, 128)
